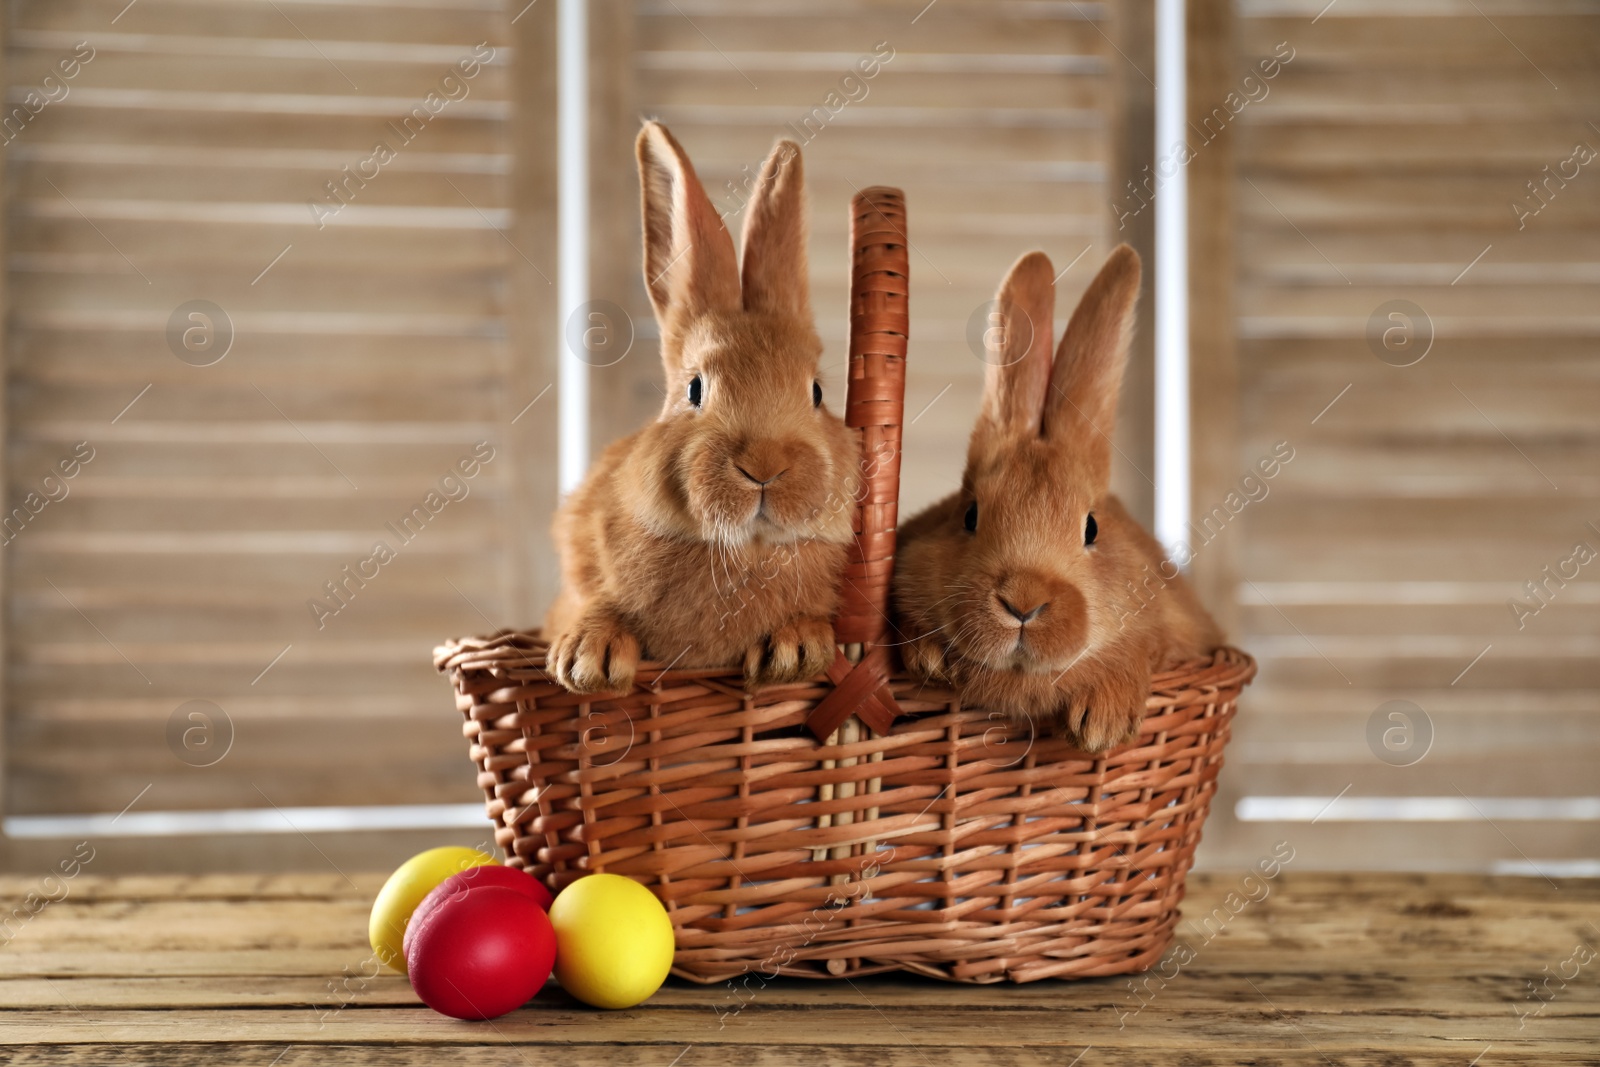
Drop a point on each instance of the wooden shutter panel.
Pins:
(369, 358)
(1384, 165)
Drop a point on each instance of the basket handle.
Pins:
(875, 409)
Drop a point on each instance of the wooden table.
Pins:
(1325, 969)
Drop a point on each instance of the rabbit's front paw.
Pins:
(599, 654)
(924, 657)
(1107, 712)
(802, 649)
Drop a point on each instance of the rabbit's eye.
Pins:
(1090, 529)
(972, 518)
(816, 394)
(695, 390)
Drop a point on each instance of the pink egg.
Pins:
(481, 953)
(489, 874)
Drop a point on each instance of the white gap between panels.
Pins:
(1171, 284)
(1417, 809)
(572, 209)
(250, 821)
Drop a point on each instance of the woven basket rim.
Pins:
(507, 651)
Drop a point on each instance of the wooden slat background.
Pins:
(366, 363)
(1380, 165)
(992, 117)
(1383, 162)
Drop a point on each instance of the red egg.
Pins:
(480, 953)
(472, 877)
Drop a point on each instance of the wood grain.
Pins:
(1383, 164)
(1131, 94)
(1214, 429)
(370, 355)
(6, 578)
(1363, 969)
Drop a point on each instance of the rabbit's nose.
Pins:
(758, 479)
(1024, 614)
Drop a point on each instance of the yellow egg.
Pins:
(404, 890)
(613, 941)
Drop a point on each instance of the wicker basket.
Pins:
(915, 835)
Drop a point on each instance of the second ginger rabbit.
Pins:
(1018, 589)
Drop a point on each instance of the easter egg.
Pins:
(481, 952)
(613, 941)
(400, 895)
(471, 878)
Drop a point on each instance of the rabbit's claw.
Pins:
(794, 652)
(599, 654)
(925, 657)
(1107, 712)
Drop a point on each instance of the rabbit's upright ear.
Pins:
(1016, 349)
(775, 278)
(1080, 410)
(689, 265)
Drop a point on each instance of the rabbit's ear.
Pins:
(1080, 410)
(1016, 343)
(775, 277)
(689, 265)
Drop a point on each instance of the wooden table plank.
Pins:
(200, 1055)
(100, 931)
(1252, 1026)
(1438, 994)
(1324, 968)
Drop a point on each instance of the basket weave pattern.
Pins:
(861, 821)
(956, 845)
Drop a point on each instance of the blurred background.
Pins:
(279, 274)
